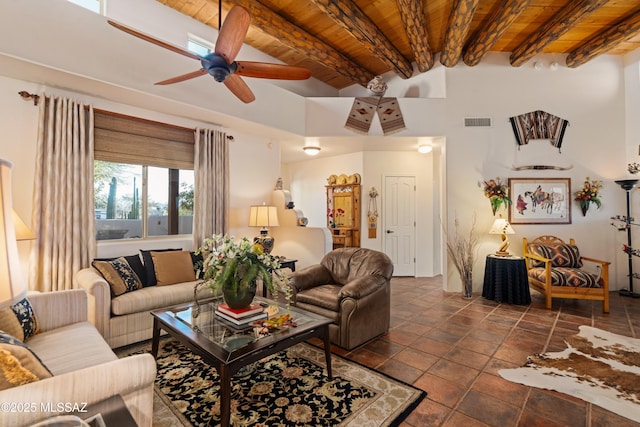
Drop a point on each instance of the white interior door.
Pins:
(400, 223)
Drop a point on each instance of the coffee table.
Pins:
(228, 348)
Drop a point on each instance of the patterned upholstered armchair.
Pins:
(555, 269)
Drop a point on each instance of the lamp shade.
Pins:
(12, 284)
(501, 226)
(263, 216)
(22, 231)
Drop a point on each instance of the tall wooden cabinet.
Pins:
(343, 214)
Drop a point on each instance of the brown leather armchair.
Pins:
(351, 286)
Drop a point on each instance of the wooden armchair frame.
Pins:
(549, 291)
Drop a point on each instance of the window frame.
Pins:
(131, 140)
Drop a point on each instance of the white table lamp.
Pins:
(501, 226)
(264, 216)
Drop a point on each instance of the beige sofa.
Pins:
(84, 368)
(127, 319)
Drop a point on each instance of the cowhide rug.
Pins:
(599, 367)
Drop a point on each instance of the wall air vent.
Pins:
(470, 122)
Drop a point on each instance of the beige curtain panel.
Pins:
(63, 217)
(211, 188)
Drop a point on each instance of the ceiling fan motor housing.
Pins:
(217, 66)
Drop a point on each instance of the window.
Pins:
(143, 177)
(199, 46)
(92, 5)
(135, 201)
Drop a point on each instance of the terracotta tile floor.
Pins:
(452, 348)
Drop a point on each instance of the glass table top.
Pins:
(206, 322)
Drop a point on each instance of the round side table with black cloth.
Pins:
(505, 280)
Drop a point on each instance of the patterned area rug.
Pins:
(288, 388)
(598, 366)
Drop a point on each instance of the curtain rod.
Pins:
(36, 98)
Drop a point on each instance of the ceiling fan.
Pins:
(221, 63)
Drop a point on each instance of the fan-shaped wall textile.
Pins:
(362, 111)
(538, 125)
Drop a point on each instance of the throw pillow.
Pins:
(173, 267)
(119, 274)
(148, 264)
(540, 250)
(197, 260)
(567, 256)
(18, 364)
(135, 262)
(19, 320)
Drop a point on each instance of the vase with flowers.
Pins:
(498, 194)
(233, 267)
(331, 217)
(589, 194)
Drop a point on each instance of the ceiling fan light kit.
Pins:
(221, 64)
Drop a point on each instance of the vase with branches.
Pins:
(462, 249)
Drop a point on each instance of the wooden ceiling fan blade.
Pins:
(265, 70)
(155, 41)
(183, 77)
(232, 33)
(239, 88)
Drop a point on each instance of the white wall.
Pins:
(591, 97)
(307, 186)
(380, 164)
(307, 180)
(596, 99)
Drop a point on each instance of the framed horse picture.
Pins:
(540, 200)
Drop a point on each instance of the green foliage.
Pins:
(111, 201)
(134, 213)
(498, 194)
(185, 196)
(238, 264)
(102, 174)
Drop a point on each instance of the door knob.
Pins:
(389, 231)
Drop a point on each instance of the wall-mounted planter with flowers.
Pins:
(589, 194)
(498, 194)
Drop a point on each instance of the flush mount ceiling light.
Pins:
(311, 150)
(424, 148)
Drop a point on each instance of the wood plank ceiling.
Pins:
(344, 42)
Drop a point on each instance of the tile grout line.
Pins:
(454, 410)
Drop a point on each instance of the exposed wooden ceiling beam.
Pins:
(562, 22)
(457, 30)
(349, 16)
(500, 20)
(412, 15)
(605, 40)
(296, 38)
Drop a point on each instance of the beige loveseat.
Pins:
(126, 318)
(84, 368)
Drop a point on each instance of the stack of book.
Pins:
(241, 316)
